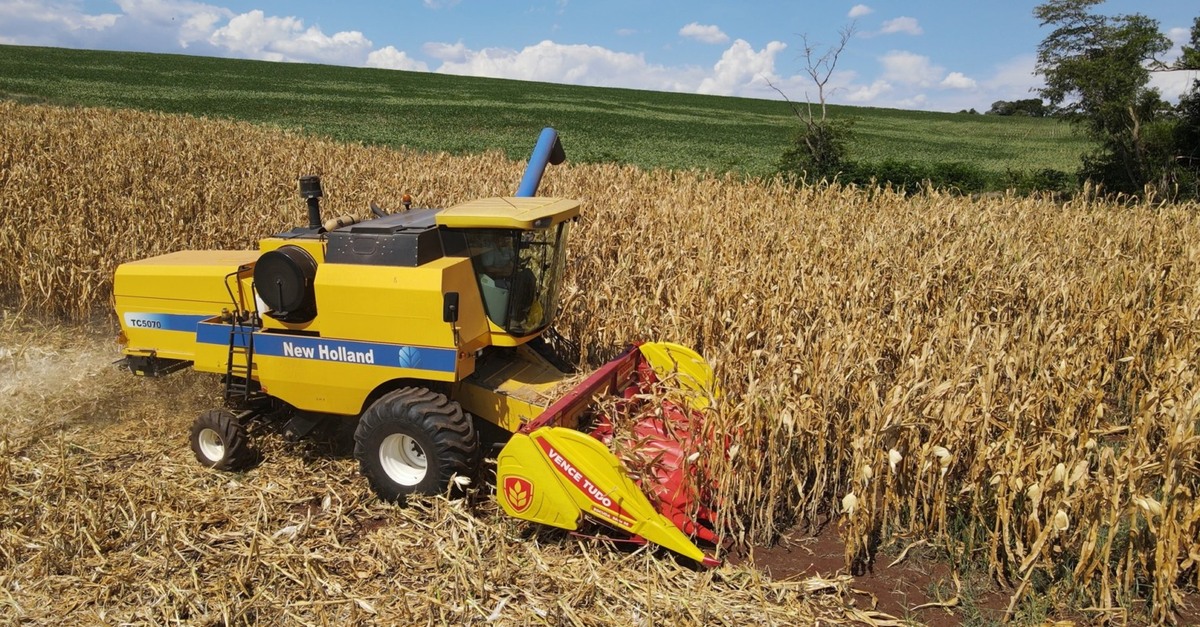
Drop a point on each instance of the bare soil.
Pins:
(919, 589)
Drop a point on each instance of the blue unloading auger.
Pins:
(548, 150)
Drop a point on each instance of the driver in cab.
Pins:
(499, 259)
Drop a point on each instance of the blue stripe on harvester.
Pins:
(338, 351)
(163, 321)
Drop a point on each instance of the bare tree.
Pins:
(820, 146)
(820, 65)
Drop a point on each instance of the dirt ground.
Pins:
(918, 589)
(918, 585)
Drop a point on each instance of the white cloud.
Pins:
(171, 25)
(94, 22)
(1172, 85)
(907, 25)
(197, 27)
(439, 4)
(1178, 35)
(259, 36)
(390, 58)
(1013, 79)
(561, 63)
(859, 10)
(626, 32)
(705, 33)
(341, 48)
(168, 12)
(250, 34)
(740, 66)
(1010, 80)
(451, 53)
(29, 22)
(911, 81)
(958, 80)
(185, 21)
(740, 70)
(868, 93)
(909, 68)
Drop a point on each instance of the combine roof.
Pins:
(508, 213)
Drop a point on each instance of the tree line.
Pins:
(1097, 70)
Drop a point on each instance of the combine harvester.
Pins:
(425, 327)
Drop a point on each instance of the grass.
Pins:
(434, 112)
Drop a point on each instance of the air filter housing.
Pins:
(284, 279)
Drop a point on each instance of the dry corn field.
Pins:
(1014, 381)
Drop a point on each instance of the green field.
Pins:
(457, 114)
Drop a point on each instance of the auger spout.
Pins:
(548, 150)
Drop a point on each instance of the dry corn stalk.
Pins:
(1015, 378)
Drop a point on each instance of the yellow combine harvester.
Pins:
(424, 327)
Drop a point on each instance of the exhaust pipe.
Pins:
(548, 150)
(310, 191)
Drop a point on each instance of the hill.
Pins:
(434, 112)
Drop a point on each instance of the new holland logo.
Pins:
(518, 491)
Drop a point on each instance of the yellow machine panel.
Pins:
(160, 300)
(537, 472)
(401, 305)
(528, 488)
(512, 391)
(336, 376)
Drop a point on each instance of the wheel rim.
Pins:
(402, 459)
(211, 445)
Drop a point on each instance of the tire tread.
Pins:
(239, 453)
(456, 445)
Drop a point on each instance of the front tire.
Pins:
(219, 441)
(414, 441)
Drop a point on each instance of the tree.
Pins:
(820, 146)
(1190, 59)
(1032, 107)
(1097, 71)
(1187, 130)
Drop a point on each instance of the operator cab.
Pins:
(519, 273)
(517, 248)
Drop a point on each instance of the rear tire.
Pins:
(414, 441)
(220, 441)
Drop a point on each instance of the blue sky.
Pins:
(941, 55)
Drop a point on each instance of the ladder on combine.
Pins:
(240, 386)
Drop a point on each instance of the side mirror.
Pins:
(450, 307)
